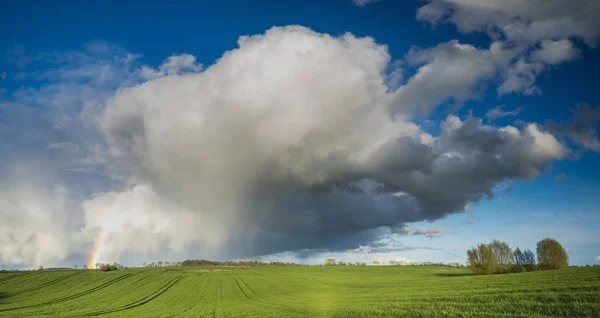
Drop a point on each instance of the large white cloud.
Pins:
(293, 141)
(268, 142)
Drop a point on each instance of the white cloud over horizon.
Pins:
(293, 141)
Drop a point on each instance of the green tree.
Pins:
(503, 252)
(482, 260)
(504, 255)
(551, 255)
(519, 257)
(330, 261)
(528, 257)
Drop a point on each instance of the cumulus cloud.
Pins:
(520, 20)
(540, 31)
(598, 258)
(499, 112)
(276, 161)
(284, 144)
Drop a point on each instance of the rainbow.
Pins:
(96, 252)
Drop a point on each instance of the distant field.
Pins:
(300, 292)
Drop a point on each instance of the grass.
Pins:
(300, 292)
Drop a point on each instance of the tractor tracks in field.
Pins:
(140, 302)
(244, 282)
(74, 296)
(9, 277)
(240, 287)
(14, 275)
(43, 285)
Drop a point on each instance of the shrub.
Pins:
(108, 267)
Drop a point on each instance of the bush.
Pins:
(531, 267)
(108, 267)
(518, 268)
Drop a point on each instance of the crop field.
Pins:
(299, 292)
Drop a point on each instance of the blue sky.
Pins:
(80, 171)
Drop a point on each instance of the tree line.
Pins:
(203, 262)
(334, 262)
(498, 258)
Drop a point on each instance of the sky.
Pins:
(296, 130)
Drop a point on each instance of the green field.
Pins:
(300, 292)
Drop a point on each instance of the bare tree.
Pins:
(330, 261)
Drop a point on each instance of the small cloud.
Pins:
(362, 3)
(402, 230)
(470, 221)
(63, 146)
(598, 258)
(173, 65)
(3, 75)
(406, 230)
(131, 57)
(498, 112)
(561, 176)
(429, 123)
(430, 232)
(76, 170)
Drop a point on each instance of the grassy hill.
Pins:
(300, 292)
